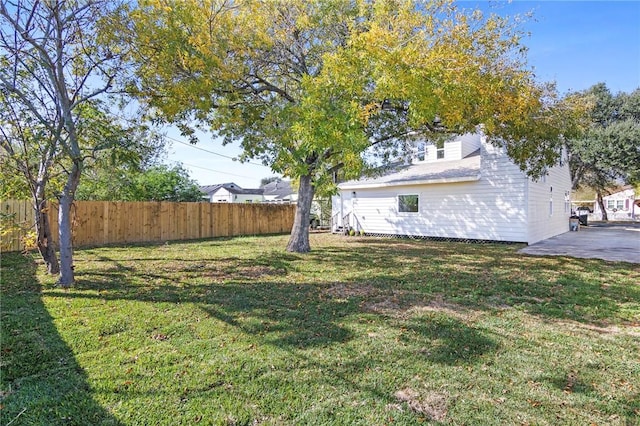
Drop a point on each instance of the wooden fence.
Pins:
(97, 223)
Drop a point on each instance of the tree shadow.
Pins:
(42, 383)
(412, 273)
(263, 295)
(446, 340)
(588, 291)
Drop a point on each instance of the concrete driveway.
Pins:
(619, 242)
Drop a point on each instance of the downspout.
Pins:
(341, 210)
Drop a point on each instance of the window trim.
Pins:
(421, 151)
(408, 211)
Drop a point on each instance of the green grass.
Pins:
(362, 331)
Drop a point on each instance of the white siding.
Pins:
(248, 198)
(454, 210)
(503, 205)
(455, 149)
(625, 200)
(222, 196)
(341, 206)
(469, 143)
(554, 189)
(452, 151)
(492, 208)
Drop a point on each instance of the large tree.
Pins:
(164, 183)
(316, 86)
(53, 63)
(608, 152)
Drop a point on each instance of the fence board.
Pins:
(96, 223)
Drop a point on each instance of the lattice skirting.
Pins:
(446, 239)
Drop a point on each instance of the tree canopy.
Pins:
(313, 87)
(54, 63)
(608, 151)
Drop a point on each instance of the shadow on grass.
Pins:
(446, 340)
(493, 276)
(476, 277)
(282, 300)
(42, 384)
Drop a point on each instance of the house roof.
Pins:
(466, 169)
(621, 189)
(210, 189)
(231, 187)
(278, 189)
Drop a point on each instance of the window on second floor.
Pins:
(421, 151)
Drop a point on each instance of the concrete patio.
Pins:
(619, 242)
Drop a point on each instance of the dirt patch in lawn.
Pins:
(405, 304)
(433, 405)
(243, 272)
(397, 303)
(346, 291)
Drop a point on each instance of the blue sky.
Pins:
(579, 43)
(574, 43)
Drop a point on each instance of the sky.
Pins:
(574, 43)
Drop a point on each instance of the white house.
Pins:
(231, 193)
(468, 189)
(279, 191)
(621, 205)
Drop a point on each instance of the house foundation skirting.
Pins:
(445, 239)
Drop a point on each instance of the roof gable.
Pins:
(278, 189)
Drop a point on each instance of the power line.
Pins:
(194, 146)
(211, 170)
(211, 152)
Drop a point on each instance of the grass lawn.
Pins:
(362, 331)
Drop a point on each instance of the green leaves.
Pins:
(298, 83)
(609, 149)
(315, 86)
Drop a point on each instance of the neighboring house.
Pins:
(621, 205)
(467, 189)
(279, 191)
(231, 193)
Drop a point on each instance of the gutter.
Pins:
(409, 182)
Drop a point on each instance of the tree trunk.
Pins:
(67, 277)
(299, 240)
(602, 208)
(44, 237)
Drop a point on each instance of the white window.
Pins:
(421, 151)
(440, 153)
(615, 205)
(408, 203)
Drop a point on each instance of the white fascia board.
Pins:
(409, 182)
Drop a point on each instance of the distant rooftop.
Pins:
(231, 187)
(279, 189)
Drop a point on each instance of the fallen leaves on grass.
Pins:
(160, 337)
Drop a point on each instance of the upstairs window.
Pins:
(421, 151)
